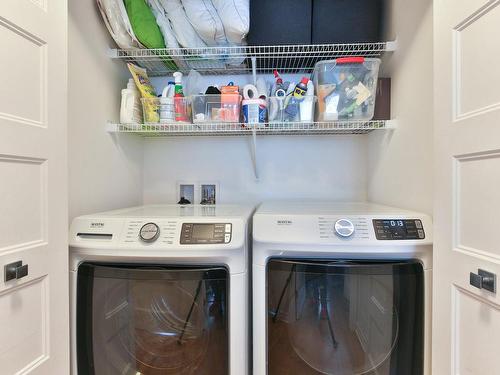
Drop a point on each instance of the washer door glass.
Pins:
(344, 318)
(152, 320)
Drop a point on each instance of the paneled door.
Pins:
(466, 311)
(33, 194)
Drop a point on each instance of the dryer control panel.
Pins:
(205, 233)
(398, 229)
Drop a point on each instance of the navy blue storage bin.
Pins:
(346, 21)
(280, 22)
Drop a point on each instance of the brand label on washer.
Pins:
(284, 222)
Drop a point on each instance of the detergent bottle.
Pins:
(130, 109)
(167, 112)
(180, 105)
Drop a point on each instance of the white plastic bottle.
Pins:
(307, 104)
(167, 113)
(131, 109)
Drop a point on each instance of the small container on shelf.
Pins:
(166, 110)
(346, 88)
(283, 109)
(213, 108)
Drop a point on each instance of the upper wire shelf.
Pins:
(221, 129)
(241, 59)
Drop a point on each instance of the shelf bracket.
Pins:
(112, 53)
(254, 153)
(392, 45)
(254, 69)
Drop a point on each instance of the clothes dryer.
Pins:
(341, 289)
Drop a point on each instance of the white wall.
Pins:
(104, 172)
(289, 167)
(400, 163)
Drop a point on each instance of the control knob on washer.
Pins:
(149, 232)
(344, 228)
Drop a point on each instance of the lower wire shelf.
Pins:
(236, 129)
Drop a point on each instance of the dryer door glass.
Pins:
(344, 318)
(152, 320)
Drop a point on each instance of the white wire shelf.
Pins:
(241, 59)
(235, 129)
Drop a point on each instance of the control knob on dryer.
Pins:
(149, 232)
(344, 228)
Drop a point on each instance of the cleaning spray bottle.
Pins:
(278, 89)
(180, 105)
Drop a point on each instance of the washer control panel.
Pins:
(398, 229)
(205, 233)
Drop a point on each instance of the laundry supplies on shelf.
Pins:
(167, 107)
(346, 88)
(131, 109)
(304, 113)
(181, 107)
(230, 103)
(208, 108)
(254, 104)
(295, 105)
(150, 107)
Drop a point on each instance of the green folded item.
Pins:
(144, 24)
(145, 27)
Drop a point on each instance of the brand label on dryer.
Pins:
(284, 222)
(97, 225)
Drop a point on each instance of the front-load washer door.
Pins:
(152, 320)
(344, 318)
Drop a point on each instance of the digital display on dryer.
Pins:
(205, 233)
(398, 229)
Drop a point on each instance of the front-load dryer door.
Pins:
(152, 320)
(344, 318)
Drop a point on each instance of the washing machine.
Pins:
(160, 289)
(341, 289)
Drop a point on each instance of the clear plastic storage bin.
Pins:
(288, 109)
(346, 88)
(166, 110)
(214, 108)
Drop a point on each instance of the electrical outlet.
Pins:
(186, 192)
(209, 192)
